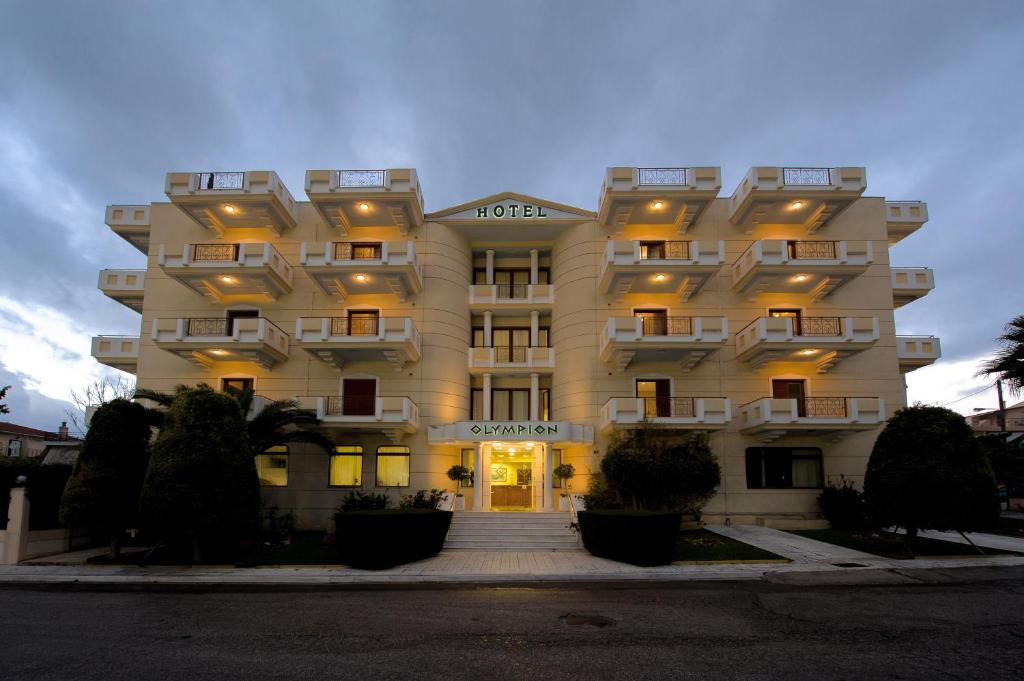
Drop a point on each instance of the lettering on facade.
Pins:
(512, 211)
(514, 429)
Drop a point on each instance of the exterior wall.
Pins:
(30, 446)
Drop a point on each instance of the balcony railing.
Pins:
(513, 291)
(214, 252)
(806, 176)
(345, 250)
(511, 353)
(668, 407)
(668, 250)
(361, 178)
(351, 405)
(666, 411)
(812, 250)
(821, 407)
(817, 326)
(527, 295)
(661, 176)
(355, 326)
(667, 326)
(207, 326)
(221, 180)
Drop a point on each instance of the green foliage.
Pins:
(636, 537)
(843, 506)
(364, 501)
(103, 493)
(423, 499)
(565, 471)
(1008, 363)
(927, 472)
(1007, 460)
(43, 487)
(600, 495)
(275, 527)
(383, 539)
(459, 475)
(648, 470)
(3, 394)
(201, 486)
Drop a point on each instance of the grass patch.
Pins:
(307, 548)
(703, 546)
(891, 545)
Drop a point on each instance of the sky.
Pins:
(99, 100)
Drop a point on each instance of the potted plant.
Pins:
(565, 472)
(459, 474)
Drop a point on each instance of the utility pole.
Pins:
(1002, 407)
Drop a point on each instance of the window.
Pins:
(366, 251)
(545, 404)
(652, 250)
(346, 467)
(556, 461)
(358, 396)
(657, 396)
(239, 314)
(784, 468)
(237, 385)
(476, 404)
(468, 460)
(14, 448)
(272, 467)
(510, 404)
(392, 466)
(655, 322)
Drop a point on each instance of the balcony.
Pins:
(511, 297)
(117, 352)
(206, 341)
(686, 340)
(809, 197)
(697, 413)
(338, 340)
(832, 418)
(903, 218)
(237, 200)
(124, 286)
(228, 273)
(915, 352)
(816, 268)
(511, 360)
(657, 196)
(131, 223)
(823, 340)
(349, 199)
(910, 284)
(342, 269)
(680, 268)
(393, 416)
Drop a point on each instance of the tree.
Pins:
(459, 475)
(98, 392)
(201, 488)
(3, 394)
(1008, 363)
(103, 493)
(1007, 460)
(927, 472)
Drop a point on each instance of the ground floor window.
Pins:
(346, 466)
(784, 468)
(556, 461)
(272, 467)
(392, 466)
(469, 461)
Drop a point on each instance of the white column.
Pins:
(537, 471)
(490, 265)
(488, 326)
(485, 477)
(487, 397)
(478, 474)
(534, 266)
(548, 468)
(535, 397)
(534, 328)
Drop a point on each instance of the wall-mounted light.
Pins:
(229, 209)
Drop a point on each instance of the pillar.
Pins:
(548, 473)
(478, 475)
(534, 266)
(490, 265)
(534, 329)
(487, 397)
(16, 542)
(485, 477)
(488, 326)
(535, 397)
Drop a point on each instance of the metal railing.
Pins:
(214, 252)
(351, 405)
(834, 407)
(221, 180)
(817, 326)
(207, 326)
(355, 326)
(665, 250)
(667, 326)
(812, 250)
(660, 176)
(512, 291)
(807, 176)
(361, 178)
(664, 407)
(345, 250)
(510, 353)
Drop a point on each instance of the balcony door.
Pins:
(787, 313)
(239, 314)
(655, 322)
(512, 283)
(359, 396)
(363, 322)
(657, 396)
(652, 250)
(510, 404)
(791, 389)
(510, 344)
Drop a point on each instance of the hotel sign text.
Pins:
(511, 210)
(540, 431)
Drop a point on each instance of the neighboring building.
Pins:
(22, 441)
(511, 333)
(988, 422)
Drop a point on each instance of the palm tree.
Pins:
(276, 423)
(1008, 362)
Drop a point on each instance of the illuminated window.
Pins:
(468, 462)
(392, 466)
(272, 467)
(346, 467)
(556, 461)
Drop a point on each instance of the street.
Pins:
(697, 630)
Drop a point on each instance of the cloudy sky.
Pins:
(98, 100)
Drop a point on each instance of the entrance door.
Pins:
(655, 322)
(657, 396)
(790, 389)
(788, 314)
(358, 396)
(239, 314)
(511, 478)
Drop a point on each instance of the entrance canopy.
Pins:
(471, 432)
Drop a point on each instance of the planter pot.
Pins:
(460, 503)
(563, 503)
(636, 537)
(376, 540)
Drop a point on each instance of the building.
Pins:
(511, 333)
(988, 422)
(52, 447)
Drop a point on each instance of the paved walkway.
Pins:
(988, 541)
(793, 546)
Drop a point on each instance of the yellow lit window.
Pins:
(272, 467)
(392, 466)
(346, 466)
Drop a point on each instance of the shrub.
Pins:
(927, 472)
(381, 539)
(44, 486)
(423, 499)
(459, 475)
(276, 527)
(364, 501)
(636, 537)
(843, 506)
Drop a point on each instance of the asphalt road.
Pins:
(696, 631)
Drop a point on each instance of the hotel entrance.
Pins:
(512, 476)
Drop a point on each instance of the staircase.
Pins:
(494, 531)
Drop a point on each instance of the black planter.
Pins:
(636, 537)
(376, 540)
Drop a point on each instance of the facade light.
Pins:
(801, 277)
(796, 205)
(364, 206)
(658, 205)
(660, 277)
(361, 278)
(229, 209)
(227, 280)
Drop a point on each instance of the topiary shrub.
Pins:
(843, 506)
(201, 489)
(103, 493)
(927, 472)
(376, 540)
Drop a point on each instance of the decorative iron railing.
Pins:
(513, 291)
(514, 354)
(221, 180)
(361, 178)
(817, 326)
(666, 250)
(208, 326)
(214, 252)
(661, 176)
(665, 407)
(351, 405)
(834, 407)
(806, 176)
(355, 326)
(667, 326)
(346, 250)
(812, 250)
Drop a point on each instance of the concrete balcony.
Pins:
(809, 197)
(677, 267)
(124, 286)
(393, 416)
(823, 340)
(117, 352)
(903, 218)
(657, 196)
(227, 273)
(686, 340)
(237, 200)
(915, 352)
(206, 341)
(342, 269)
(511, 360)
(511, 297)
(131, 223)
(350, 199)
(692, 413)
(910, 284)
(816, 268)
(338, 340)
(832, 418)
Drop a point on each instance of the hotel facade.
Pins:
(512, 333)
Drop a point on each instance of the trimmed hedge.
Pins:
(644, 538)
(376, 540)
(44, 488)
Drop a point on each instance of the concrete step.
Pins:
(508, 532)
(512, 545)
(511, 531)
